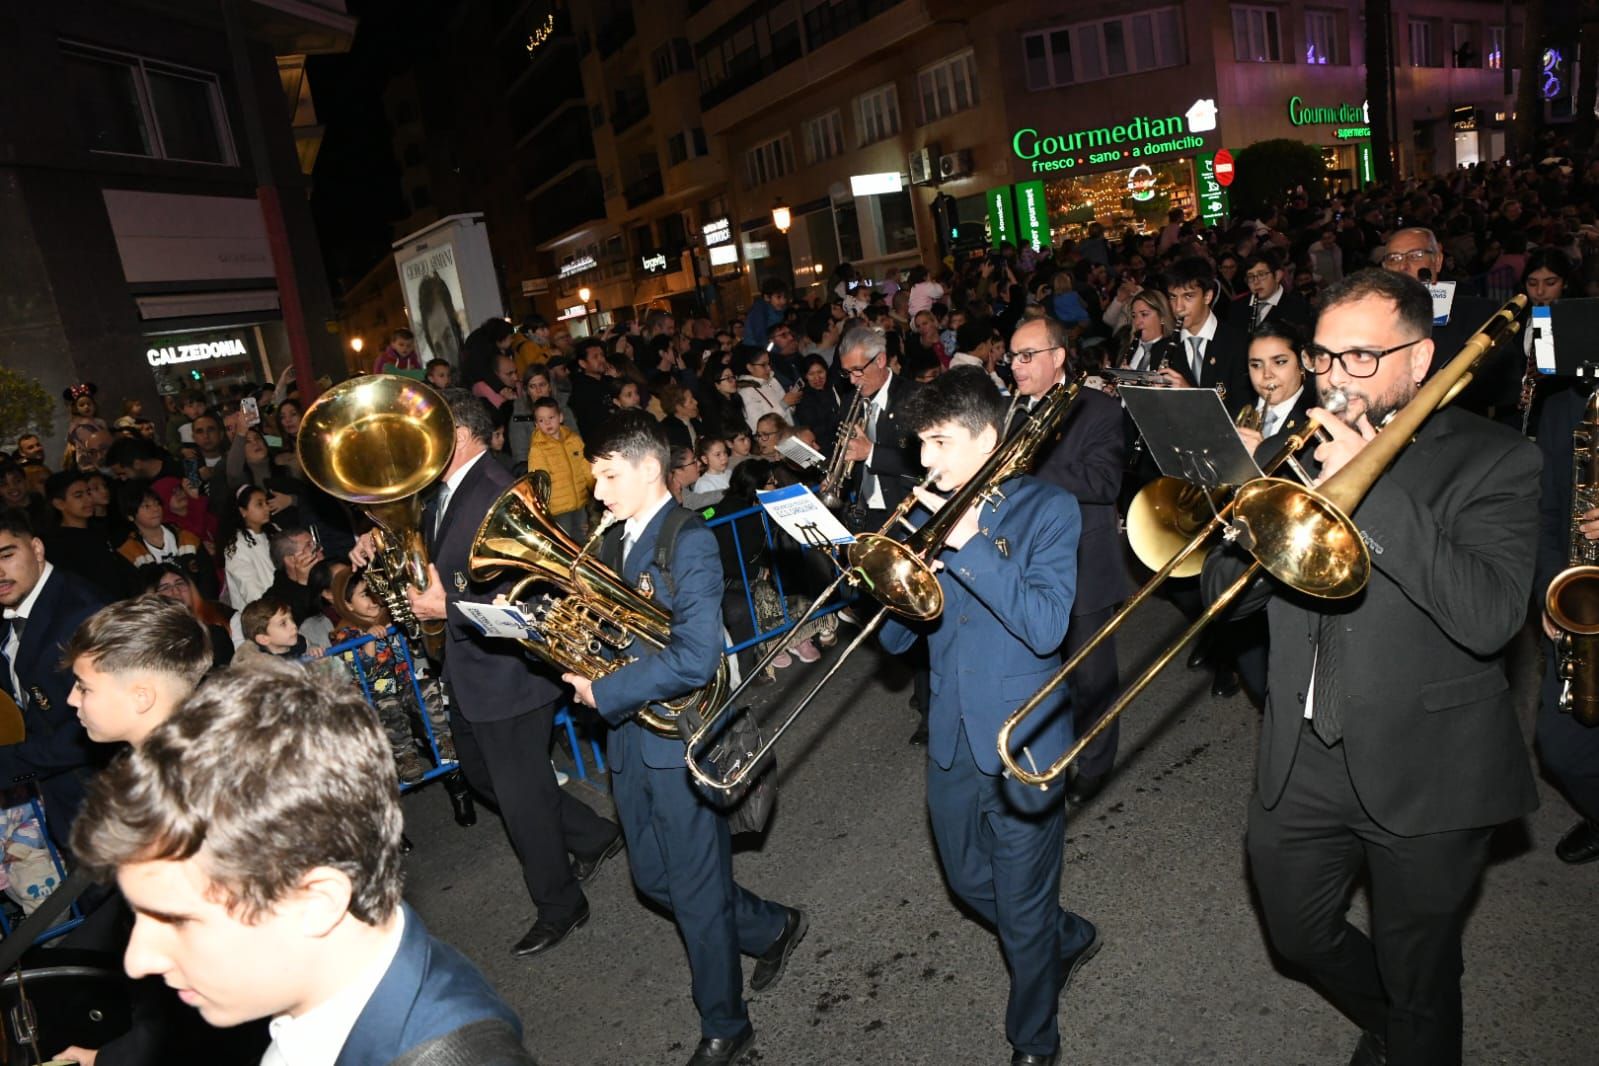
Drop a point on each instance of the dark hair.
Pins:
(264, 773)
(816, 326)
(258, 614)
(437, 362)
(1550, 259)
(15, 521)
(57, 484)
(471, 413)
(533, 322)
(232, 523)
(544, 402)
(125, 451)
(1191, 270)
(580, 348)
(401, 334)
(1410, 298)
(132, 494)
(963, 395)
(1268, 256)
(774, 287)
(144, 633)
(1278, 328)
(633, 436)
(745, 480)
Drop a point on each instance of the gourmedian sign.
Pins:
(1143, 137)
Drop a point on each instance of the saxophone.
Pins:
(1573, 597)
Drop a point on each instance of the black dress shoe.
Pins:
(1199, 657)
(1371, 1051)
(722, 1050)
(1580, 844)
(918, 737)
(1227, 684)
(769, 967)
(545, 935)
(1085, 787)
(585, 868)
(1070, 964)
(1023, 1058)
(460, 799)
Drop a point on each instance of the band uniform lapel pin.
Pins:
(460, 581)
(646, 586)
(1003, 547)
(40, 700)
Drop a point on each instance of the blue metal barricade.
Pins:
(348, 651)
(76, 914)
(731, 521)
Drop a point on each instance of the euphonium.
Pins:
(1573, 597)
(377, 441)
(839, 464)
(595, 612)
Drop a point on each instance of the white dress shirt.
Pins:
(24, 611)
(1273, 418)
(873, 484)
(453, 482)
(316, 1037)
(633, 527)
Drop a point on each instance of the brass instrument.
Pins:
(1249, 417)
(596, 612)
(1301, 536)
(898, 574)
(377, 441)
(1573, 597)
(839, 464)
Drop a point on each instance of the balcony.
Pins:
(629, 109)
(642, 191)
(617, 31)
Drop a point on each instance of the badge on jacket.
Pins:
(646, 586)
(460, 581)
(40, 700)
(1002, 546)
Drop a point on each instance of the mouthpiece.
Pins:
(1336, 401)
(1424, 276)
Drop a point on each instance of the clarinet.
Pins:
(1135, 454)
(1256, 313)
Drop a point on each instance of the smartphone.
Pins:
(251, 410)
(191, 470)
(1338, 216)
(316, 538)
(854, 285)
(770, 346)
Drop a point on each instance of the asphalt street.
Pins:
(893, 972)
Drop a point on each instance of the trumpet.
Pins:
(1300, 535)
(839, 465)
(899, 575)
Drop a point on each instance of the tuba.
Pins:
(377, 441)
(1573, 597)
(596, 611)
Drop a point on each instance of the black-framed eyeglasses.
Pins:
(1027, 355)
(856, 373)
(1357, 362)
(728, 377)
(1415, 256)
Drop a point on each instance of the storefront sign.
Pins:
(1139, 138)
(653, 263)
(1352, 133)
(575, 311)
(1465, 119)
(874, 184)
(754, 250)
(1224, 168)
(1001, 216)
(1032, 214)
(172, 355)
(1213, 200)
(1141, 183)
(578, 265)
(718, 232)
(724, 254)
(1368, 172)
(1342, 115)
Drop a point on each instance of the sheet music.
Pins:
(803, 516)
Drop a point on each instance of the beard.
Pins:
(1358, 401)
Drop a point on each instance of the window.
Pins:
(1106, 48)
(1424, 44)
(1464, 45)
(1496, 48)
(673, 57)
(132, 106)
(769, 161)
(1324, 41)
(948, 87)
(763, 38)
(824, 136)
(689, 144)
(1256, 35)
(876, 115)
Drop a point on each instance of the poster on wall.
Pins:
(438, 313)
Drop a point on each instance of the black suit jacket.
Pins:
(1297, 416)
(591, 404)
(492, 679)
(1291, 307)
(56, 753)
(896, 458)
(677, 434)
(1226, 363)
(1087, 460)
(1429, 730)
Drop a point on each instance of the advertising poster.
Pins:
(433, 294)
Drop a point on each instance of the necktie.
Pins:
(439, 505)
(1268, 423)
(869, 479)
(1327, 716)
(8, 678)
(627, 546)
(1194, 360)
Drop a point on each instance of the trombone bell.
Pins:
(895, 577)
(1161, 521)
(1303, 539)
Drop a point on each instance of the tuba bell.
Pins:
(596, 610)
(377, 441)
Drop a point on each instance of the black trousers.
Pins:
(1404, 980)
(1093, 686)
(1568, 749)
(508, 762)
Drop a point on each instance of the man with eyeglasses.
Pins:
(881, 449)
(1413, 250)
(1268, 298)
(1390, 745)
(1214, 354)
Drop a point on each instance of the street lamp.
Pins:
(782, 217)
(583, 294)
(356, 344)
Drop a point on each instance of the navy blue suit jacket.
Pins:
(491, 678)
(430, 989)
(693, 595)
(57, 753)
(1087, 460)
(1007, 603)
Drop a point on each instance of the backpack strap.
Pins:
(486, 1042)
(666, 544)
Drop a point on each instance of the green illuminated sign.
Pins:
(1342, 115)
(1213, 203)
(1139, 138)
(1032, 214)
(1001, 216)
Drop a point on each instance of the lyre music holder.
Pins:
(1190, 436)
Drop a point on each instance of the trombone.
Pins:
(1300, 535)
(899, 575)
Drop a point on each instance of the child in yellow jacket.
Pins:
(558, 451)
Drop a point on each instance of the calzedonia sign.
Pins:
(173, 354)
(1144, 137)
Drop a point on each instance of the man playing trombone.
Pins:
(1008, 576)
(1389, 742)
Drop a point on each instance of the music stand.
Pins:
(1190, 435)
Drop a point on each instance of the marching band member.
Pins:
(1009, 574)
